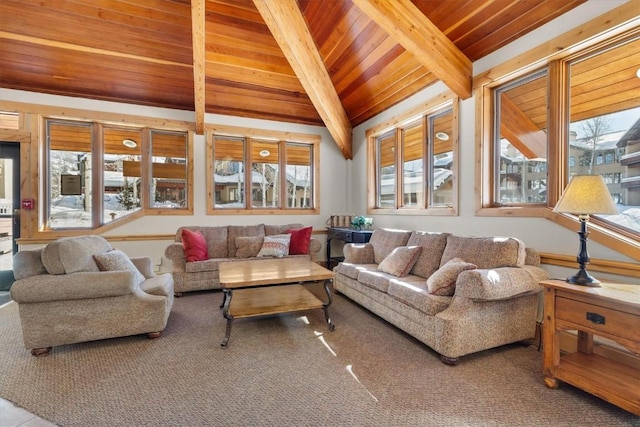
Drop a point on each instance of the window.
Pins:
(121, 173)
(604, 112)
(590, 91)
(520, 145)
(97, 173)
(413, 163)
(169, 177)
(70, 165)
(262, 170)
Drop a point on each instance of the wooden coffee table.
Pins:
(255, 288)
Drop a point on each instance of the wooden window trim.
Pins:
(617, 23)
(398, 123)
(31, 136)
(264, 135)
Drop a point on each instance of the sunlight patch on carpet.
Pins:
(349, 369)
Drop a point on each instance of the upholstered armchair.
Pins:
(80, 289)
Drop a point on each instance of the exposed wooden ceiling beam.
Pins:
(521, 131)
(198, 38)
(288, 27)
(403, 21)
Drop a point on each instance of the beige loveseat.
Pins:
(224, 243)
(63, 296)
(488, 288)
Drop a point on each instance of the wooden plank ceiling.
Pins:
(335, 63)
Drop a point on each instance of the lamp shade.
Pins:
(586, 194)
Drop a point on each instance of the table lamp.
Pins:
(585, 195)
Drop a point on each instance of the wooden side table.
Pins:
(611, 311)
(347, 235)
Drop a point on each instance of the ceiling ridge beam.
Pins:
(405, 23)
(288, 27)
(72, 46)
(198, 41)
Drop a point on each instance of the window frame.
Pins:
(434, 107)
(557, 130)
(146, 128)
(282, 138)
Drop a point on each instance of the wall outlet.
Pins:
(157, 261)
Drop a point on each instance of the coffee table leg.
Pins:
(325, 306)
(227, 334)
(225, 312)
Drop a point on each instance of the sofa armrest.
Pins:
(499, 283)
(358, 253)
(144, 265)
(175, 252)
(74, 286)
(314, 246)
(28, 263)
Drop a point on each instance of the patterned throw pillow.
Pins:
(300, 241)
(275, 246)
(443, 281)
(116, 260)
(195, 245)
(248, 246)
(400, 261)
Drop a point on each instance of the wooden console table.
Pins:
(611, 311)
(347, 235)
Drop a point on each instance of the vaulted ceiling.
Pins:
(335, 63)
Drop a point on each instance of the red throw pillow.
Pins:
(195, 246)
(300, 241)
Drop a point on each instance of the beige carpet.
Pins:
(285, 371)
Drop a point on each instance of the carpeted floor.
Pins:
(285, 371)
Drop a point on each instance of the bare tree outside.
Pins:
(592, 130)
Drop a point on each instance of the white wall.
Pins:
(539, 233)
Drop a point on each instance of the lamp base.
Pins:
(583, 278)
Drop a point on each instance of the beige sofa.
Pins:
(488, 288)
(64, 297)
(223, 243)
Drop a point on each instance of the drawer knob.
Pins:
(596, 318)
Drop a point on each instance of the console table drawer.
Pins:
(344, 235)
(602, 319)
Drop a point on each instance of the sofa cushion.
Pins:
(413, 291)
(485, 252)
(400, 261)
(194, 244)
(443, 281)
(358, 253)
(271, 229)
(248, 246)
(275, 246)
(432, 248)
(300, 240)
(50, 258)
(216, 238)
(384, 240)
(211, 264)
(352, 270)
(375, 279)
(116, 260)
(241, 230)
(73, 254)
